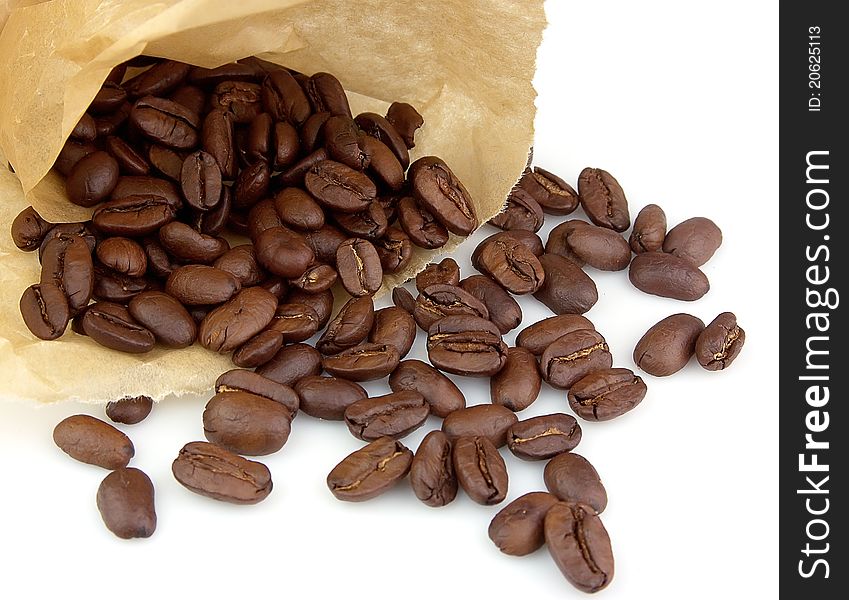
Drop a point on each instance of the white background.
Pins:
(679, 101)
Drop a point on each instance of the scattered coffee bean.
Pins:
(350, 326)
(440, 300)
(370, 471)
(432, 471)
(116, 331)
(572, 478)
(606, 394)
(214, 472)
(521, 211)
(327, 397)
(720, 342)
(359, 267)
(246, 423)
(555, 196)
(668, 275)
(694, 240)
(446, 272)
(198, 285)
(603, 199)
(518, 529)
(518, 383)
(503, 309)
(29, 229)
(566, 289)
(480, 470)
(579, 545)
(511, 264)
(538, 336)
(649, 230)
(438, 190)
(667, 346)
(234, 323)
(241, 380)
(541, 438)
(572, 356)
(93, 441)
(466, 345)
(442, 394)
(92, 179)
(126, 504)
(402, 298)
(406, 119)
(393, 415)
(485, 420)
(291, 364)
(394, 326)
(364, 362)
(129, 411)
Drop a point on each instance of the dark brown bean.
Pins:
(109, 99)
(72, 152)
(438, 190)
(258, 139)
(246, 423)
(166, 161)
(432, 470)
(394, 326)
(668, 276)
(606, 394)
(403, 299)
(370, 471)
(310, 134)
(107, 125)
(554, 195)
(297, 209)
(406, 120)
(383, 163)
(227, 72)
(566, 289)
(321, 303)
(364, 362)
(241, 380)
(339, 187)
(129, 411)
(503, 309)
(214, 472)
(92, 179)
(349, 327)
(579, 545)
(439, 301)
(198, 285)
(649, 230)
(392, 415)
(120, 333)
(466, 345)
(284, 98)
(258, 350)
(241, 98)
(29, 229)
(130, 162)
(394, 249)
(123, 255)
(528, 238)
(694, 240)
(252, 185)
(517, 385)
(667, 346)
(241, 262)
(599, 247)
(518, 528)
(116, 287)
(234, 323)
(316, 278)
(538, 336)
(133, 216)
(327, 397)
(445, 272)
(325, 242)
(480, 470)
(603, 199)
(439, 391)
(165, 122)
(572, 478)
(285, 145)
(369, 224)
(521, 211)
(167, 319)
(487, 420)
(158, 80)
(67, 263)
(126, 504)
(93, 441)
(511, 264)
(326, 94)
(85, 130)
(420, 225)
(359, 267)
(296, 173)
(543, 437)
(283, 252)
(341, 138)
(295, 322)
(144, 185)
(568, 358)
(720, 342)
(291, 364)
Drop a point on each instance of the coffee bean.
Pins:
(326, 94)
(606, 394)
(107, 125)
(262, 217)
(198, 285)
(295, 174)
(406, 121)
(339, 187)
(294, 322)
(466, 345)
(566, 289)
(521, 211)
(92, 179)
(158, 80)
(200, 179)
(543, 437)
(432, 470)
(480, 470)
(241, 98)
(487, 420)
(511, 264)
(370, 471)
(232, 324)
(116, 287)
(158, 261)
(214, 472)
(527, 238)
(115, 331)
(694, 240)
(67, 263)
(291, 364)
(316, 278)
(129, 411)
(143, 185)
(649, 230)
(186, 244)
(554, 195)
(403, 299)
(438, 190)
(321, 303)
(125, 501)
(599, 247)
(392, 415)
(165, 160)
(517, 385)
(109, 98)
(226, 72)
(720, 342)
(257, 146)
(324, 243)
(283, 252)
(574, 355)
(29, 229)
(167, 319)
(258, 350)
(327, 397)
(364, 362)
(558, 240)
(373, 125)
(284, 98)
(192, 97)
(420, 225)
(72, 152)
(442, 394)
(297, 209)
(123, 255)
(246, 423)
(94, 442)
(603, 199)
(538, 336)
(518, 528)
(310, 133)
(359, 267)
(241, 262)
(503, 309)
(165, 122)
(579, 545)
(370, 223)
(285, 146)
(341, 138)
(439, 301)
(394, 326)
(350, 326)
(218, 141)
(446, 272)
(251, 185)
(383, 163)
(130, 162)
(667, 346)
(133, 216)
(241, 380)
(572, 478)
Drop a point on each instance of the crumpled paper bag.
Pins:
(466, 66)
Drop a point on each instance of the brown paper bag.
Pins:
(467, 67)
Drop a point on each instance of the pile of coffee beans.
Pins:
(176, 155)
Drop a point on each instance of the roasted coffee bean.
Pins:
(369, 224)
(167, 319)
(599, 247)
(72, 152)
(109, 99)
(528, 238)
(116, 287)
(364, 362)
(438, 190)
(558, 240)
(446, 272)
(432, 471)
(555, 196)
(315, 279)
(125, 501)
(192, 97)
(350, 326)
(326, 94)
(403, 299)
(720, 342)
(67, 263)
(520, 212)
(262, 216)
(439, 391)
(439, 301)
(258, 139)
(129, 411)
(379, 128)
(291, 364)
(212, 222)
(234, 323)
(667, 346)
(251, 185)
(503, 309)
(258, 350)
(92, 179)
(297, 209)
(359, 267)
(277, 286)
(186, 244)
(395, 326)
(166, 161)
(285, 147)
(93, 441)
(324, 243)
(487, 420)
(339, 187)
(420, 225)
(466, 345)
(85, 130)
(83, 230)
(480, 470)
(370, 471)
(228, 72)
(295, 322)
(29, 229)
(123, 255)
(383, 163)
(158, 261)
(511, 264)
(143, 185)
(214, 472)
(107, 125)
(198, 285)
(241, 262)
(568, 358)
(284, 98)
(538, 336)
(518, 528)
(133, 216)
(201, 180)
(321, 303)
(566, 289)
(406, 120)
(606, 394)
(649, 230)
(389, 202)
(341, 138)
(543, 437)
(393, 415)
(695, 240)
(668, 276)
(130, 162)
(603, 199)
(241, 380)
(517, 385)
(327, 397)
(241, 98)
(165, 122)
(117, 332)
(296, 173)
(158, 80)
(579, 545)
(246, 423)
(572, 478)
(283, 252)
(310, 134)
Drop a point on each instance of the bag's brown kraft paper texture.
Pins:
(467, 67)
